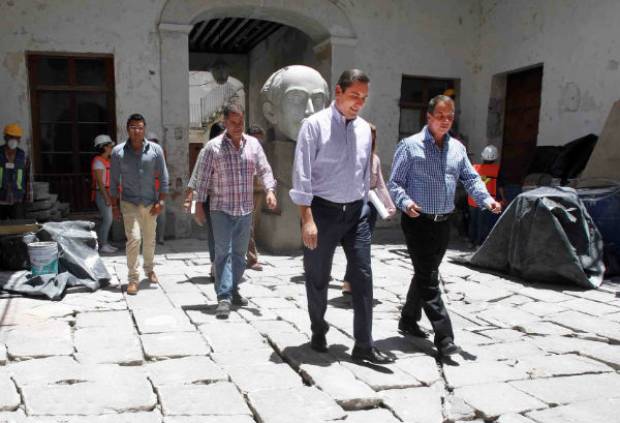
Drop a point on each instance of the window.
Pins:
(415, 93)
(72, 100)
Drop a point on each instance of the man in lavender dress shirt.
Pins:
(331, 179)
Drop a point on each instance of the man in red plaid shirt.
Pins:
(225, 171)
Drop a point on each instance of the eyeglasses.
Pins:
(441, 117)
(136, 128)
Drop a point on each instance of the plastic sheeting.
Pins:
(545, 235)
(79, 263)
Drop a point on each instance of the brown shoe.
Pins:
(132, 288)
(152, 277)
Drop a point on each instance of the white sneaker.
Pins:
(108, 249)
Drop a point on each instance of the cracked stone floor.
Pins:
(531, 352)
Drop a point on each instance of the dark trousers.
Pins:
(349, 225)
(427, 242)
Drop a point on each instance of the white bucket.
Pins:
(43, 258)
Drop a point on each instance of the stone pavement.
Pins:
(531, 353)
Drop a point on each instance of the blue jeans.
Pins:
(106, 219)
(231, 235)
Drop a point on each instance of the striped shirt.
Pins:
(427, 175)
(226, 174)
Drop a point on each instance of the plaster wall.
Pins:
(578, 44)
(128, 30)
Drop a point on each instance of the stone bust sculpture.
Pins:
(292, 94)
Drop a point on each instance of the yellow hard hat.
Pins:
(449, 92)
(13, 130)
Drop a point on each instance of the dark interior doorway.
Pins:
(523, 92)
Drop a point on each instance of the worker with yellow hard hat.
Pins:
(14, 167)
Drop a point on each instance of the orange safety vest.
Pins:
(488, 173)
(94, 188)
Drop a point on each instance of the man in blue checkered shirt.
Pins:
(426, 169)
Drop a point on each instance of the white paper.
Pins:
(192, 209)
(376, 201)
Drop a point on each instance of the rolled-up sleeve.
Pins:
(473, 184)
(399, 177)
(264, 171)
(115, 173)
(164, 178)
(301, 193)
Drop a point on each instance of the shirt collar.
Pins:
(227, 139)
(337, 114)
(145, 145)
(428, 137)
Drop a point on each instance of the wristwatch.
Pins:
(161, 203)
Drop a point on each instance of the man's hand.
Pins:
(495, 207)
(200, 218)
(156, 209)
(271, 201)
(309, 234)
(413, 210)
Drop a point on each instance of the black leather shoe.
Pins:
(411, 329)
(318, 343)
(447, 347)
(239, 300)
(372, 355)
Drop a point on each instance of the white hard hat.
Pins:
(102, 140)
(489, 153)
(152, 136)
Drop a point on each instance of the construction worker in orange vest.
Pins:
(481, 221)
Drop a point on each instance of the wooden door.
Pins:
(520, 124)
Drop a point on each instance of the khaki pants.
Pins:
(139, 226)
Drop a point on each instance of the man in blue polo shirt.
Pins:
(425, 171)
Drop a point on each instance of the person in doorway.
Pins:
(100, 190)
(481, 220)
(134, 166)
(377, 183)
(216, 129)
(252, 256)
(161, 217)
(224, 172)
(14, 175)
(331, 180)
(426, 168)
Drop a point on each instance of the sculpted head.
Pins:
(292, 94)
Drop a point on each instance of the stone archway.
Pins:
(327, 25)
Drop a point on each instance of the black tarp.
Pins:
(545, 235)
(79, 263)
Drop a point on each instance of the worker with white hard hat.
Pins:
(482, 221)
(14, 174)
(100, 189)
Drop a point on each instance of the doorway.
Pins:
(522, 113)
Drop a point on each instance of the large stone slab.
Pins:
(9, 398)
(495, 399)
(173, 344)
(420, 405)
(483, 372)
(588, 324)
(232, 336)
(597, 411)
(89, 398)
(216, 399)
(260, 355)
(560, 365)
(40, 340)
(340, 384)
(565, 390)
(303, 404)
(185, 371)
(104, 319)
(387, 376)
(506, 317)
(513, 418)
(156, 320)
(131, 417)
(103, 345)
(593, 308)
(600, 351)
(2, 354)
(209, 419)
(423, 368)
(378, 415)
(502, 351)
(264, 377)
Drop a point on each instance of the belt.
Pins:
(436, 217)
(331, 204)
